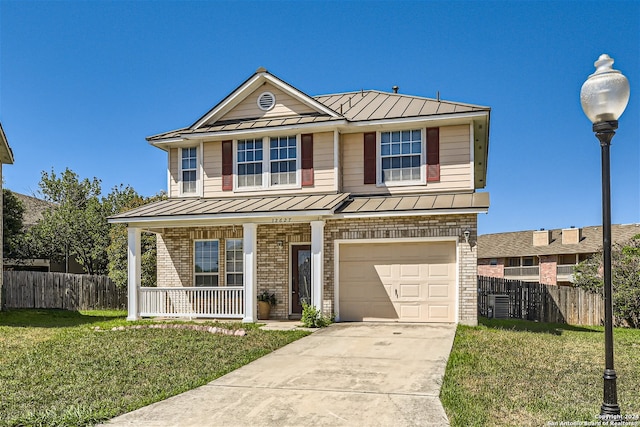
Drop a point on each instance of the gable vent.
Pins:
(266, 101)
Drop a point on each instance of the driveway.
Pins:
(349, 374)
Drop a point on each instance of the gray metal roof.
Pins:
(520, 243)
(352, 106)
(177, 208)
(322, 203)
(376, 105)
(379, 204)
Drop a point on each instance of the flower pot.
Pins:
(264, 309)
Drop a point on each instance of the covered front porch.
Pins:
(269, 256)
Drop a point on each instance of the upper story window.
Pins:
(283, 155)
(189, 170)
(401, 154)
(258, 168)
(249, 160)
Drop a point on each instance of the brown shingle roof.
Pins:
(33, 208)
(520, 243)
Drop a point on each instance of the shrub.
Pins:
(313, 318)
(625, 276)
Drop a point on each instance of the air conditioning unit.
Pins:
(498, 306)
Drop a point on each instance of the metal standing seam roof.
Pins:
(380, 204)
(353, 106)
(338, 203)
(177, 208)
(520, 243)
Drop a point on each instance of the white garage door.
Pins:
(406, 282)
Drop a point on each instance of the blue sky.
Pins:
(82, 83)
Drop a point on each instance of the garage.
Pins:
(400, 281)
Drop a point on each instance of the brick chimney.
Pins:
(571, 236)
(541, 237)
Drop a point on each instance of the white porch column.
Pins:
(249, 257)
(134, 272)
(317, 249)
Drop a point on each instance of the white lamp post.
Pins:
(604, 96)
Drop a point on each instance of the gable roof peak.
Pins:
(261, 70)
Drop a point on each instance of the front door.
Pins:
(300, 277)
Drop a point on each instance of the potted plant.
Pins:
(265, 300)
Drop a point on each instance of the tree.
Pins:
(77, 226)
(122, 199)
(12, 226)
(625, 280)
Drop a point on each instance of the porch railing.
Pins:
(565, 269)
(522, 271)
(216, 302)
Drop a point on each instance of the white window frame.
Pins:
(195, 274)
(423, 159)
(266, 165)
(198, 169)
(241, 259)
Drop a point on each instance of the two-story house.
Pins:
(544, 256)
(362, 204)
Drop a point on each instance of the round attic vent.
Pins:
(266, 101)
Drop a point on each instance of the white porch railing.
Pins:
(217, 302)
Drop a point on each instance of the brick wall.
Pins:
(406, 227)
(548, 269)
(486, 269)
(175, 253)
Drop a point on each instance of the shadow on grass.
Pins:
(529, 326)
(52, 318)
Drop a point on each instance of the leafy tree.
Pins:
(625, 280)
(122, 199)
(77, 226)
(12, 226)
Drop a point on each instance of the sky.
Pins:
(82, 83)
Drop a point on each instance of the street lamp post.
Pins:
(604, 96)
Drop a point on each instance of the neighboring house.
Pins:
(544, 256)
(356, 203)
(6, 157)
(33, 212)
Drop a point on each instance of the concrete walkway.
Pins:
(349, 374)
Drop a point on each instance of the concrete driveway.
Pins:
(349, 374)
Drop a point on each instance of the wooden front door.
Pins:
(300, 277)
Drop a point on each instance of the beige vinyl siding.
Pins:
(212, 165)
(455, 166)
(174, 172)
(323, 180)
(285, 106)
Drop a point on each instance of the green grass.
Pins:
(57, 370)
(519, 373)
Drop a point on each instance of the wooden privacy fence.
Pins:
(34, 289)
(542, 303)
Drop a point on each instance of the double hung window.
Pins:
(250, 160)
(401, 154)
(189, 169)
(234, 266)
(206, 262)
(267, 162)
(283, 156)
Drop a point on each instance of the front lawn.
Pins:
(519, 373)
(57, 369)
